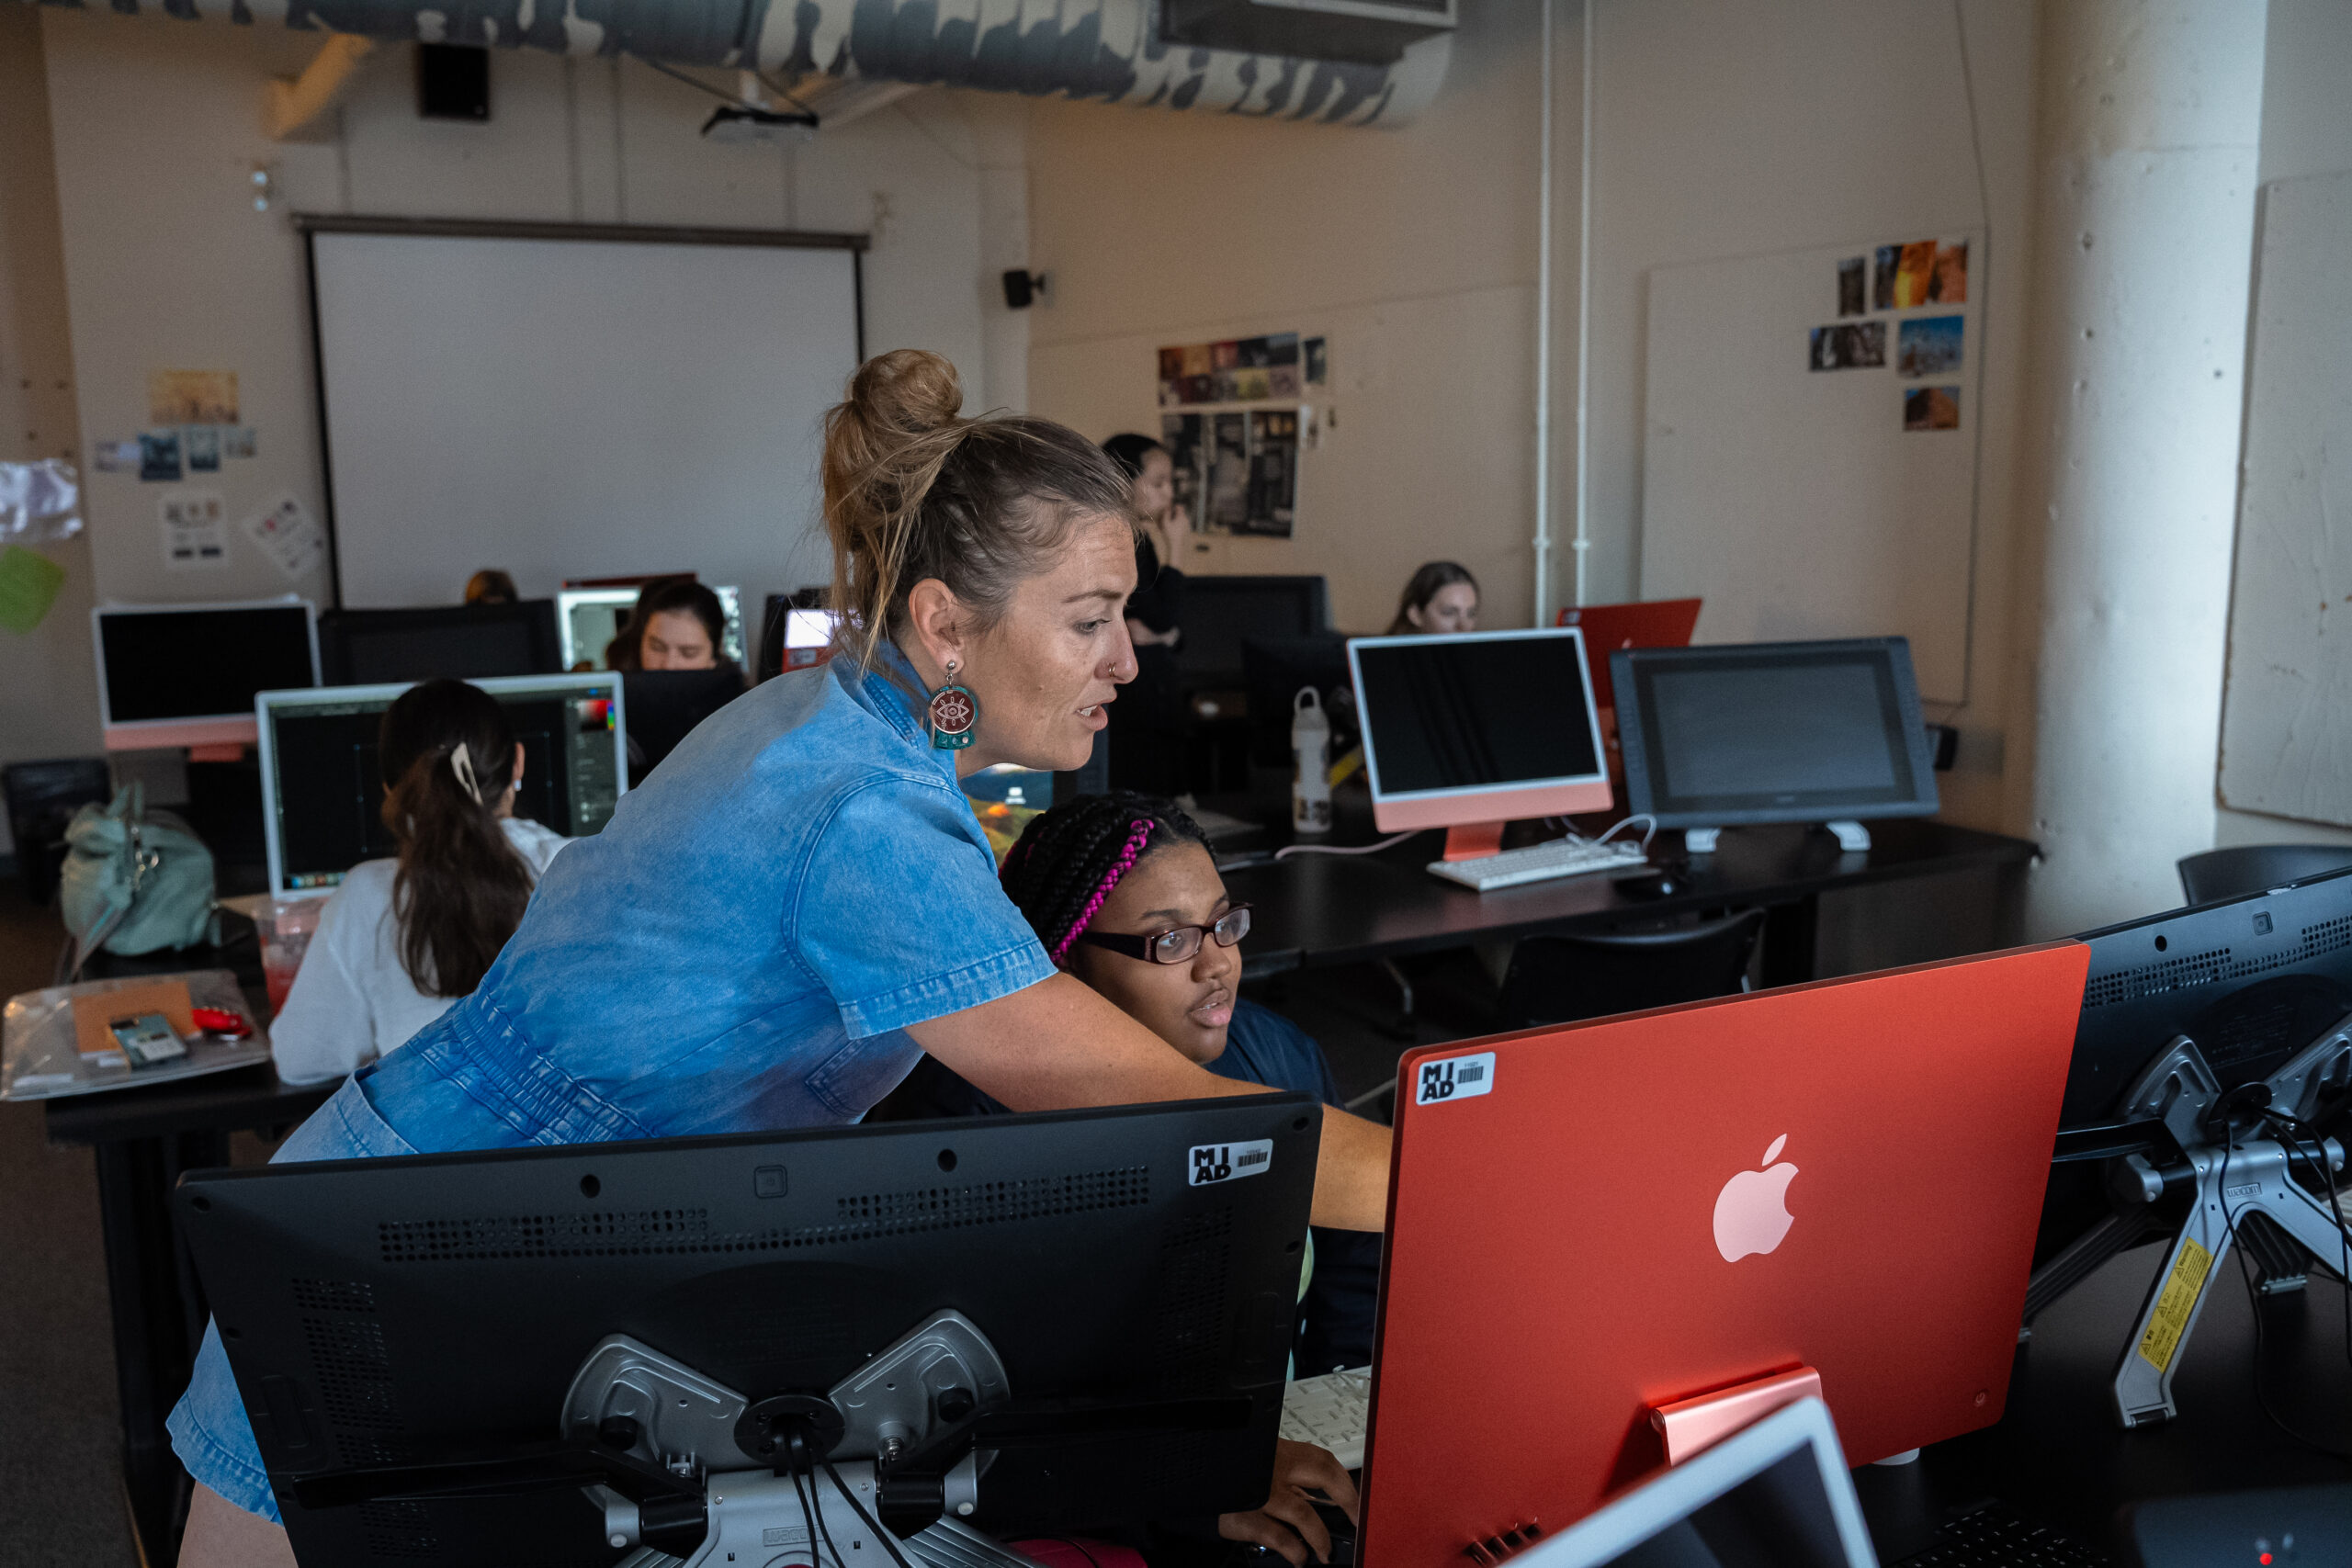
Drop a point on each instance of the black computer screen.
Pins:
(201, 663)
(329, 783)
(1217, 615)
(468, 642)
(1786, 731)
(1445, 714)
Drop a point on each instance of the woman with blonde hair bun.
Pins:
(800, 902)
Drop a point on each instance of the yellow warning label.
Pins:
(2175, 1306)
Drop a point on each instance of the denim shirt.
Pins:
(741, 949)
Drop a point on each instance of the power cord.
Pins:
(2254, 1302)
(1388, 844)
(2319, 1168)
(813, 1520)
(1648, 833)
(849, 1496)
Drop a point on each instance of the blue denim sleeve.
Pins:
(899, 916)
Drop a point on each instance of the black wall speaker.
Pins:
(452, 82)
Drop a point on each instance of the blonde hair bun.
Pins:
(906, 392)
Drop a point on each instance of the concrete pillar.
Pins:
(2150, 119)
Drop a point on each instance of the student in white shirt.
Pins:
(402, 939)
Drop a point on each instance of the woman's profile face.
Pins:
(1155, 489)
(1045, 671)
(676, 639)
(1188, 1005)
(1453, 608)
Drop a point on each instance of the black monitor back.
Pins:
(400, 1311)
(663, 706)
(462, 642)
(1219, 613)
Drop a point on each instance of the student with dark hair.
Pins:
(800, 902)
(1147, 722)
(403, 938)
(1122, 892)
(491, 586)
(677, 624)
(1442, 597)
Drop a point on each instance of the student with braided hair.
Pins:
(800, 902)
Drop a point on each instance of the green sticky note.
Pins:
(28, 585)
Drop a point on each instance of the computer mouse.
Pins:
(1657, 884)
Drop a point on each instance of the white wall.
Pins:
(48, 690)
(158, 127)
(1413, 250)
(2306, 129)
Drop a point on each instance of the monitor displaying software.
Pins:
(323, 785)
(186, 674)
(1773, 732)
(1479, 727)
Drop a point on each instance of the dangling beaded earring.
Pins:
(955, 714)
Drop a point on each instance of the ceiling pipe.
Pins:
(295, 104)
(1099, 51)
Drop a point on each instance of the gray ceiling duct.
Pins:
(1107, 50)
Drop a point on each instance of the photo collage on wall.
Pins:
(1919, 275)
(1237, 468)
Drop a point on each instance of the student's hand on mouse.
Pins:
(1288, 1523)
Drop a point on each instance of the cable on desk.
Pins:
(1388, 844)
(1650, 830)
(880, 1534)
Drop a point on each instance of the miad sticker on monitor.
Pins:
(1617, 1217)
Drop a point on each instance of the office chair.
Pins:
(1562, 979)
(2252, 868)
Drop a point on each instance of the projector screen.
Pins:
(566, 408)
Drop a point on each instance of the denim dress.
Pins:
(741, 949)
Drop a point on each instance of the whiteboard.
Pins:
(567, 408)
(2286, 730)
(1793, 500)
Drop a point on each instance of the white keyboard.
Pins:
(1539, 862)
(1331, 1412)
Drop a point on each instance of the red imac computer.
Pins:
(186, 674)
(1651, 623)
(1611, 1243)
(1469, 732)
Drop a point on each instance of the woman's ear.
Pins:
(935, 622)
(517, 776)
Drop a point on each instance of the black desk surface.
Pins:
(2058, 1457)
(1324, 909)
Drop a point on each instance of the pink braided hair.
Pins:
(1138, 836)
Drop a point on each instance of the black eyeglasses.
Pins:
(1181, 946)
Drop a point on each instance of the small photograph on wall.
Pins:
(159, 455)
(1928, 345)
(1317, 355)
(1182, 435)
(1886, 261)
(1931, 408)
(1252, 384)
(192, 397)
(1274, 474)
(1849, 345)
(202, 444)
(1227, 508)
(1914, 274)
(1949, 284)
(1851, 285)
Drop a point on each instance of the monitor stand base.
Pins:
(1853, 838)
(1474, 840)
(1689, 1425)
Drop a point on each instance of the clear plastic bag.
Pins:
(40, 502)
(39, 1060)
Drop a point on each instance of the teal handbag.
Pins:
(134, 882)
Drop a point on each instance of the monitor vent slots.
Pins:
(353, 1372)
(333, 1295)
(2153, 979)
(654, 1231)
(399, 1530)
(1192, 1289)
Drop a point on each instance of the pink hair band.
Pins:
(1138, 838)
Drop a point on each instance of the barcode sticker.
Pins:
(1453, 1077)
(1230, 1162)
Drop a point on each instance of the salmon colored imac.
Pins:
(1470, 730)
(1651, 623)
(1593, 1222)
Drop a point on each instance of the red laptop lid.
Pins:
(1653, 622)
(1588, 1221)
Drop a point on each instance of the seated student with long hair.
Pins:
(677, 624)
(402, 939)
(1123, 893)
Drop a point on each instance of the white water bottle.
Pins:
(1310, 745)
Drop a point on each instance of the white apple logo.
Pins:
(1752, 1210)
